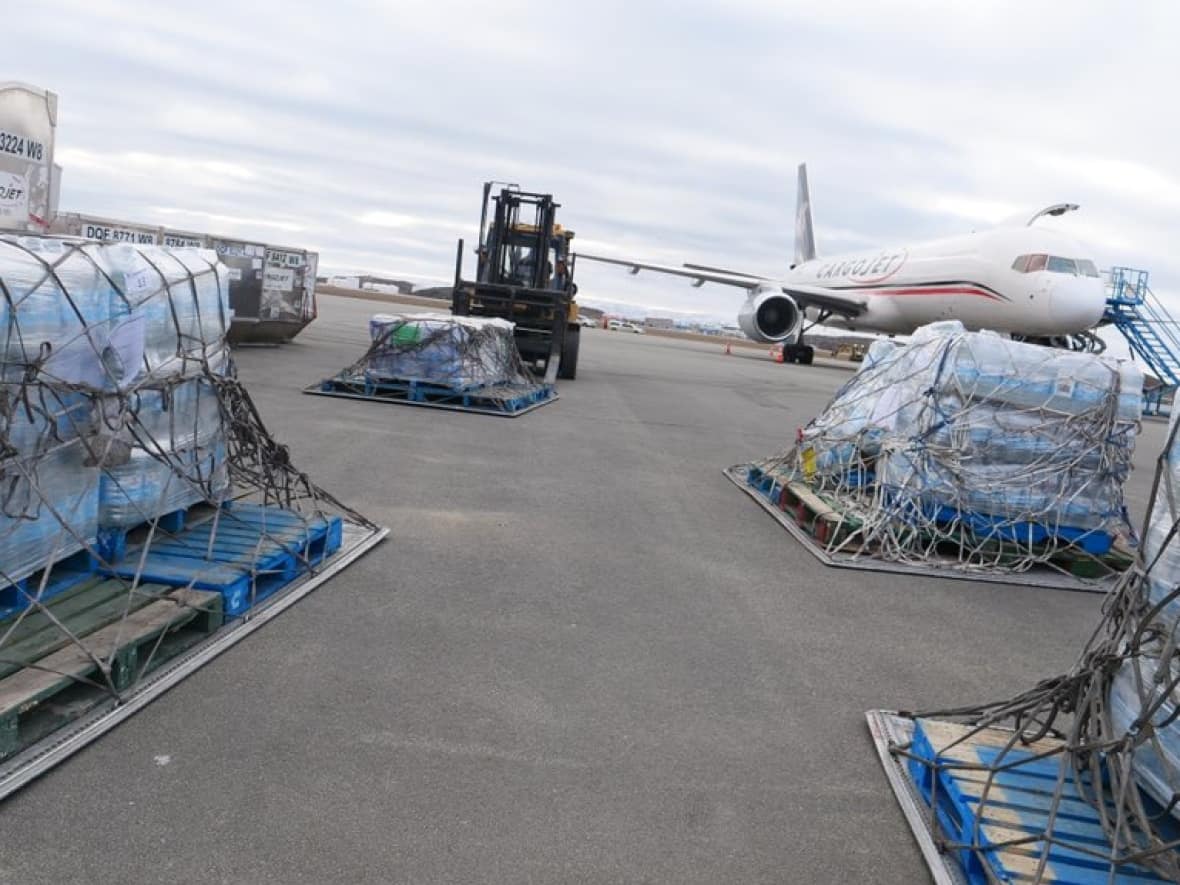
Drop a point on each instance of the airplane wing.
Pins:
(805, 296)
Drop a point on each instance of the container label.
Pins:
(14, 197)
(180, 242)
(278, 279)
(117, 234)
(238, 250)
(138, 282)
(15, 145)
(284, 259)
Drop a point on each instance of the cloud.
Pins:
(364, 128)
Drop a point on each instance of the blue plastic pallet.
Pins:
(983, 525)
(766, 485)
(112, 540)
(771, 488)
(482, 398)
(977, 819)
(254, 553)
(63, 574)
(1093, 541)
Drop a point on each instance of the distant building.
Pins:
(659, 323)
(383, 284)
(372, 284)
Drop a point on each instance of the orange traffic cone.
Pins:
(728, 349)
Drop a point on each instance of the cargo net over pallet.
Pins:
(145, 512)
(969, 454)
(1077, 779)
(462, 363)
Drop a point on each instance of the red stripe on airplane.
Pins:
(936, 290)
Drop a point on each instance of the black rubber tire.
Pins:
(806, 355)
(568, 370)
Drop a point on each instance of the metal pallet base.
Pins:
(316, 390)
(1047, 579)
(889, 729)
(40, 757)
(1030, 821)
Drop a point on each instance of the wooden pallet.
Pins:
(50, 678)
(816, 514)
(47, 582)
(1002, 812)
(246, 553)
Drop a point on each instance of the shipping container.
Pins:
(28, 123)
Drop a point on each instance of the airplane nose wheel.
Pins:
(1079, 342)
(1090, 343)
(803, 354)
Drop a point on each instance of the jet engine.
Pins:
(770, 316)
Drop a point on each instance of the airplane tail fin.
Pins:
(804, 232)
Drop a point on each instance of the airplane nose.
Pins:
(1076, 303)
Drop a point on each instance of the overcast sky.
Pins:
(668, 131)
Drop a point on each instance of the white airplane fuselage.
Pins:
(967, 278)
(1030, 281)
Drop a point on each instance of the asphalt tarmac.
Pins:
(581, 656)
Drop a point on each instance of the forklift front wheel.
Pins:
(569, 354)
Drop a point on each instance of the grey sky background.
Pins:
(668, 131)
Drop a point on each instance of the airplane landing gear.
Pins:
(1079, 342)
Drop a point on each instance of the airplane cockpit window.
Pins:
(1029, 263)
(1054, 264)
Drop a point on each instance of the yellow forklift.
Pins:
(524, 274)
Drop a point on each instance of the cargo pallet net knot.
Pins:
(143, 503)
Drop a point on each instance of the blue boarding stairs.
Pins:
(1133, 309)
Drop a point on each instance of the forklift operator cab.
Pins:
(525, 266)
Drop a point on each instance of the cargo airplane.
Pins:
(1029, 282)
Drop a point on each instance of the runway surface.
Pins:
(582, 656)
